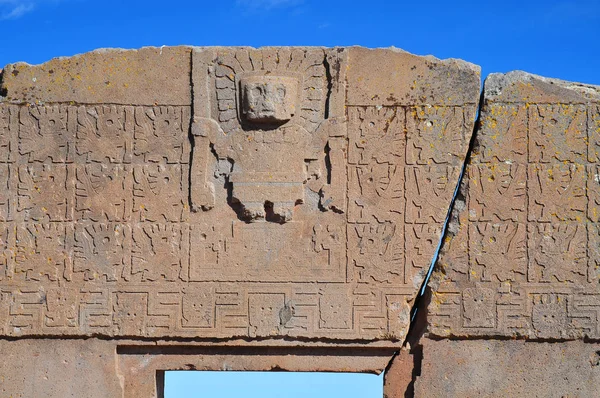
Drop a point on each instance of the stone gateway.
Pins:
(280, 208)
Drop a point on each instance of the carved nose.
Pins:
(268, 106)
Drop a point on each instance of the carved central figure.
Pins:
(265, 177)
(275, 131)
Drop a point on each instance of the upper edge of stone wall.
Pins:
(392, 77)
(519, 86)
(148, 76)
(160, 76)
(521, 256)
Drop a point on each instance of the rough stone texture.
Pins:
(521, 257)
(149, 76)
(399, 376)
(505, 368)
(396, 78)
(59, 369)
(297, 209)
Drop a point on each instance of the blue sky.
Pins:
(272, 385)
(552, 38)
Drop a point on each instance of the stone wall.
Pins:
(279, 208)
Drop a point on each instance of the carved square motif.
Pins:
(497, 252)
(435, 135)
(7, 240)
(102, 251)
(43, 251)
(429, 189)
(104, 192)
(497, 192)
(161, 134)
(549, 315)
(335, 308)
(376, 193)
(62, 308)
(557, 192)
(557, 133)
(593, 253)
(376, 135)
(130, 313)
(105, 133)
(45, 192)
(7, 198)
(557, 253)
(502, 136)
(198, 309)
(479, 307)
(377, 252)
(160, 252)
(593, 192)
(266, 314)
(160, 192)
(594, 132)
(44, 133)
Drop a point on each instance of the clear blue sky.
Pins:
(272, 385)
(552, 38)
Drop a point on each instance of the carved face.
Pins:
(269, 99)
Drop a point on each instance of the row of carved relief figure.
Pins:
(108, 133)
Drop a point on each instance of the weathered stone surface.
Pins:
(149, 76)
(54, 368)
(521, 257)
(393, 77)
(399, 376)
(508, 368)
(278, 203)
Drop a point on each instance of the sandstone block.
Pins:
(148, 76)
(520, 258)
(284, 201)
(508, 368)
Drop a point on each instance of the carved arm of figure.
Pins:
(202, 191)
(333, 193)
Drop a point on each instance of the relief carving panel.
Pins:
(270, 207)
(526, 229)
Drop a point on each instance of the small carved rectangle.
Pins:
(502, 135)
(429, 189)
(497, 192)
(435, 135)
(497, 252)
(557, 192)
(557, 133)
(45, 192)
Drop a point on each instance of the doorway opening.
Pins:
(235, 384)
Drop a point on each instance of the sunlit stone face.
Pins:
(269, 99)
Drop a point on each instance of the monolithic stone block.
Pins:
(521, 256)
(54, 368)
(301, 194)
(508, 368)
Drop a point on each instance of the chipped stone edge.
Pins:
(496, 83)
(107, 50)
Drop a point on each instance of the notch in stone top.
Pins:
(268, 99)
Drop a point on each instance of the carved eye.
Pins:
(256, 91)
(281, 92)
